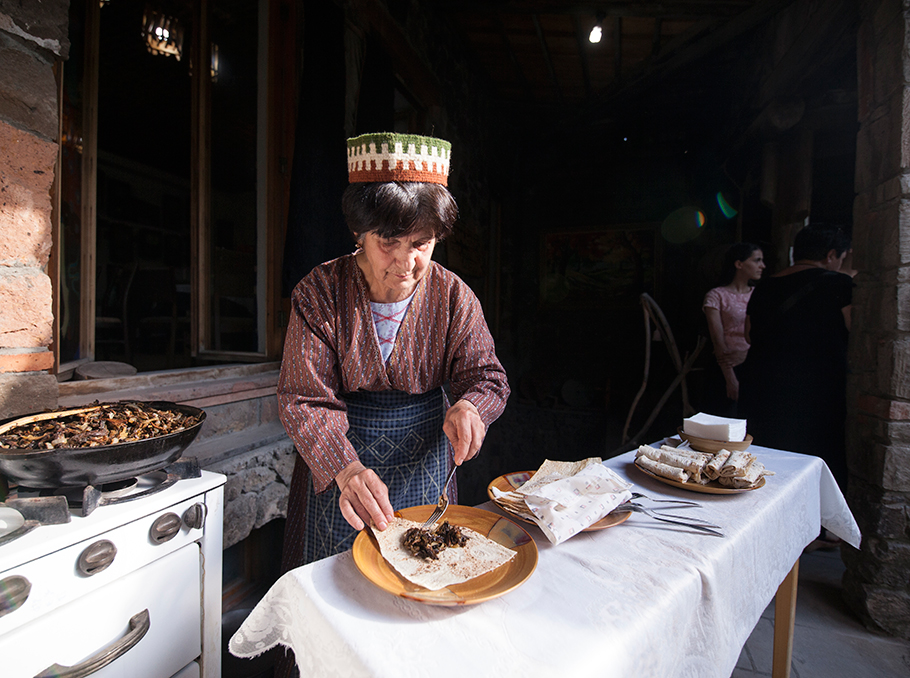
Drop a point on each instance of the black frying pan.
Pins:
(78, 467)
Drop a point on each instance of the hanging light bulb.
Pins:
(598, 31)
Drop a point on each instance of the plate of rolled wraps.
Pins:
(721, 472)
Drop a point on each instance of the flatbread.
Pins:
(693, 465)
(712, 468)
(454, 565)
(663, 470)
(736, 464)
(551, 471)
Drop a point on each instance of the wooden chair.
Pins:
(683, 367)
(112, 321)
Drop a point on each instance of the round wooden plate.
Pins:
(714, 446)
(500, 581)
(511, 481)
(711, 488)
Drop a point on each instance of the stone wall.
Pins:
(32, 35)
(876, 584)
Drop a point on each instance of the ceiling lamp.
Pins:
(598, 30)
(163, 34)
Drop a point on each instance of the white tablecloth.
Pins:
(643, 598)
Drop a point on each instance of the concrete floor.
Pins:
(828, 639)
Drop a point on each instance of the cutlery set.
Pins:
(675, 519)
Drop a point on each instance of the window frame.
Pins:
(276, 83)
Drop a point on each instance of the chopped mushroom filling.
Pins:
(429, 544)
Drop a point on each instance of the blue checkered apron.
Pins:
(400, 437)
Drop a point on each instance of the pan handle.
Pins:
(139, 626)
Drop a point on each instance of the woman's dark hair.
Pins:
(814, 242)
(396, 208)
(738, 252)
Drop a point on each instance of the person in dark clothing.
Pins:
(793, 391)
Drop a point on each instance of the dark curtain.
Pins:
(316, 228)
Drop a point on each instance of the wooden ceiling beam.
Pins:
(546, 55)
(519, 73)
(678, 9)
(581, 39)
(655, 41)
(420, 80)
(675, 55)
(617, 49)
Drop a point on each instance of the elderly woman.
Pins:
(373, 338)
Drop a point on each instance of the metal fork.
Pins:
(678, 502)
(694, 523)
(442, 504)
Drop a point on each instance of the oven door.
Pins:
(146, 624)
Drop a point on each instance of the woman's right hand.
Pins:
(364, 497)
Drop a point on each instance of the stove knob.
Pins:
(194, 517)
(96, 558)
(165, 528)
(15, 592)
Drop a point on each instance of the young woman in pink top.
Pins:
(725, 309)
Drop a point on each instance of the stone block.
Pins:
(35, 361)
(26, 393)
(896, 432)
(230, 418)
(239, 519)
(879, 608)
(28, 91)
(890, 562)
(25, 297)
(863, 350)
(285, 464)
(879, 515)
(26, 179)
(896, 468)
(268, 410)
(271, 503)
(877, 238)
(255, 479)
(894, 368)
(45, 23)
(901, 308)
(889, 609)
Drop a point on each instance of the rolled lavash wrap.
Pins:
(661, 469)
(736, 464)
(712, 468)
(690, 464)
(701, 456)
(753, 473)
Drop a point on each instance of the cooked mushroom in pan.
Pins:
(105, 424)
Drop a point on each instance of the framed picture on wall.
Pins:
(602, 268)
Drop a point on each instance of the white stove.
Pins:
(131, 590)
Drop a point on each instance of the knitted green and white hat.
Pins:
(398, 157)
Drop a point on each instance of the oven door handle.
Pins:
(139, 626)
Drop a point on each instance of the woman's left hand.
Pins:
(465, 430)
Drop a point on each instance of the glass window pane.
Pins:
(143, 206)
(234, 207)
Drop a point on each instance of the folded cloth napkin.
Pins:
(712, 427)
(566, 506)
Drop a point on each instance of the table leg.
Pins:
(784, 615)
